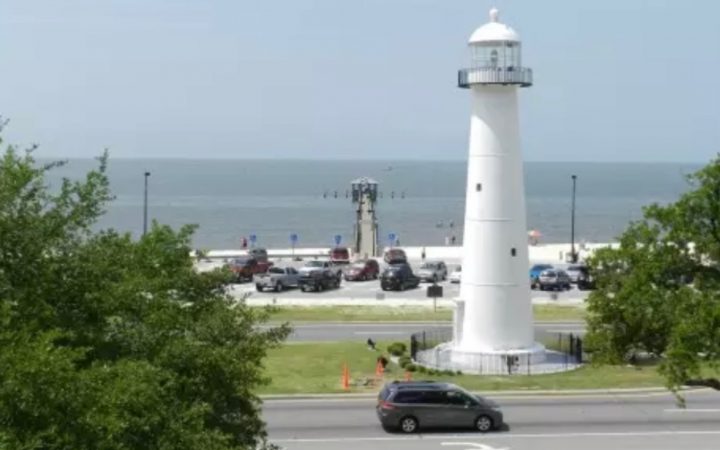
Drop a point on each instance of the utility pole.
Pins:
(573, 255)
(145, 204)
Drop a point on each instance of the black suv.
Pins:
(319, 280)
(398, 277)
(409, 405)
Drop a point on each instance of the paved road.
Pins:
(557, 423)
(402, 331)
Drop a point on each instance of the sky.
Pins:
(615, 80)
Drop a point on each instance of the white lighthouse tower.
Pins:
(494, 314)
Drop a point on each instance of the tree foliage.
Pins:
(108, 342)
(658, 293)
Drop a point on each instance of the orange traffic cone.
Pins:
(408, 375)
(345, 379)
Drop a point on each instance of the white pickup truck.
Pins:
(277, 279)
(313, 265)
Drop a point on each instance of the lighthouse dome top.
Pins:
(494, 31)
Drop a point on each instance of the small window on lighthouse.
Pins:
(513, 252)
(478, 187)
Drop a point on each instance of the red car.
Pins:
(245, 267)
(367, 269)
(340, 255)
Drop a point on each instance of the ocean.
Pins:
(422, 201)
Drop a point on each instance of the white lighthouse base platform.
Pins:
(534, 360)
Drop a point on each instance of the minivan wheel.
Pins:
(483, 423)
(278, 287)
(408, 424)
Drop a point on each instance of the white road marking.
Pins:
(472, 445)
(690, 410)
(502, 436)
(378, 332)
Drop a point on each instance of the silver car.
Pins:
(574, 271)
(456, 274)
(433, 271)
(554, 280)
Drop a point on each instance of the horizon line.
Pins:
(384, 160)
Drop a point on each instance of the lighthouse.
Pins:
(494, 310)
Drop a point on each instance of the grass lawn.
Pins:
(305, 368)
(543, 313)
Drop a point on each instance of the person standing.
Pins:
(244, 242)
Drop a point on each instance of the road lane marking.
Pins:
(691, 410)
(377, 332)
(472, 445)
(501, 437)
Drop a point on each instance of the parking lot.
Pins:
(370, 290)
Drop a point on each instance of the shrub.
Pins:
(411, 367)
(422, 369)
(404, 361)
(397, 348)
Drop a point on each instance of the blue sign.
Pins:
(253, 238)
(338, 239)
(294, 238)
(391, 237)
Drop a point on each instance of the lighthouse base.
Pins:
(534, 360)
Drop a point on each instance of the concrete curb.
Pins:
(519, 394)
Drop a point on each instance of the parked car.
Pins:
(321, 264)
(398, 277)
(319, 280)
(456, 274)
(554, 279)
(340, 255)
(365, 269)
(395, 256)
(585, 280)
(535, 273)
(409, 405)
(259, 253)
(277, 279)
(244, 268)
(573, 271)
(433, 271)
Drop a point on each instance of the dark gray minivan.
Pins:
(409, 405)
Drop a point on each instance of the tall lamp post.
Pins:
(145, 204)
(573, 255)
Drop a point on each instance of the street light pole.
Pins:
(573, 255)
(145, 204)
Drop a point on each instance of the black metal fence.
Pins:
(565, 351)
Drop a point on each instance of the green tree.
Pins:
(108, 342)
(658, 293)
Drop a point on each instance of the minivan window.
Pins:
(433, 397)
(460, 398)
(408, 397)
